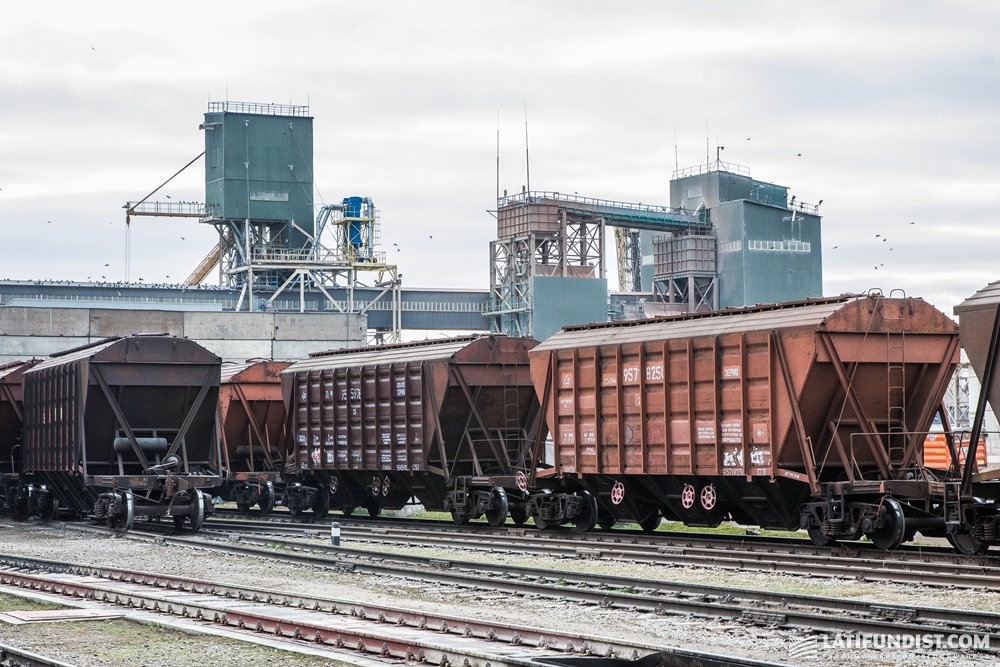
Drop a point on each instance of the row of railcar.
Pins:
(807, 415)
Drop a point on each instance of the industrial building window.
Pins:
(732, 246)
(779, 246)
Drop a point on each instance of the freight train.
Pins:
(809, 415)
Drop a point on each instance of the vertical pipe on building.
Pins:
(246, 231)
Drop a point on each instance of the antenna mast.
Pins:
(677, 164)
(527, 162)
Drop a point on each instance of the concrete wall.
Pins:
(27, 332)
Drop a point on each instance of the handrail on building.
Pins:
(537, 196)
(258, 109)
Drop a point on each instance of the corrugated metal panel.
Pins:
(253, 370)
(403, 408)
(77, 353)
(719, 395)
(714, 323)
(421, 351)
(987, 297)
(361, 418)
(978, 315)
(11, 412)
(154, 381)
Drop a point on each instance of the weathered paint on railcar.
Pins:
(395, 408)
(78, 403)
(979, 317)
(411, 419)
(11, 413)
(804, 391)
(252, 416)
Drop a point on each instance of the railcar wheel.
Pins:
(374, 509)
(650, 521)
(124, 516)
(605, 519)
(459, 519)
(967, 544)
(321, 502)
(518, 514)
(243, 508)
(587, 519)
(819, 539)
(348, 510)
(197, 515)
(497, 515)
(890, 536)
(266, 499)
(49, 508)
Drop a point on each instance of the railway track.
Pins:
(384, 633)
(772, 609)
(930, 569)
(11, 656)
(618, 535)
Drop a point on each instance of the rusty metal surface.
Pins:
(252, 415)
(978, 318)
(778, 391)
(408, 407)
(11, 413)
(70, 404)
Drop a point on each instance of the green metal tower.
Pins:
(259, 190)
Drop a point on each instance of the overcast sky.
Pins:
(893, 106)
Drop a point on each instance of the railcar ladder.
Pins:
(895, 342)
(513, 435)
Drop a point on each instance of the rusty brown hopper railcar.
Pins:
(11, 429)
(744, 413)
(125, 427)
(979, 316)
(447, 422)
(252, 424)
(977, 525)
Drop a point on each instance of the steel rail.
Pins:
(11, 656)
(397, 630)
(615, 535)
(770, 608)
(858, 566)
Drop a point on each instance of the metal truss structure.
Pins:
(551, 234)
(574, 249)
(253, 257)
